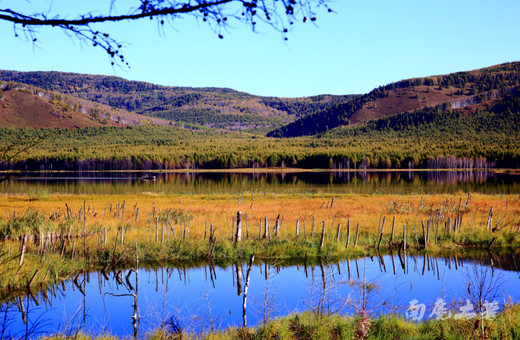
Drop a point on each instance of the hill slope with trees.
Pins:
(431, 138)
(218, 108)
(478, 128)
(26, 106)
(455, 90)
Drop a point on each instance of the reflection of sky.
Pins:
(236, 183)
(191, 296)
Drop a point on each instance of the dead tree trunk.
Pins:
(238, 236)
(322, 235)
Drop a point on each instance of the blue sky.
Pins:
(366, 43)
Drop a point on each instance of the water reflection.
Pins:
(130, 302)
(236, 183)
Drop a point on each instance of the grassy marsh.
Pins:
(62, 239)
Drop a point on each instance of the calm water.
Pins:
(237, 183)
(198, 299)
(206, 297)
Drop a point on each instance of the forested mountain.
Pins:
(463, 120)
(456, 90)
(430, 138)
(218, 108)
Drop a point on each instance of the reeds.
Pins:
(175, 228)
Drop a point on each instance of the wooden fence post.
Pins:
(156, 229)
(348, 233)
(490, 219)
(238, 236)
(322, 235)
(24, 243)
(404, 236)
(392, 234)
(357, 235)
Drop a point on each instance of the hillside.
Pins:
(217, 108)
(26, 106)
(478, 127)
(456, 90)
(24, 109)
(430, 138)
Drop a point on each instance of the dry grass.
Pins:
(197, 212)
(219, 210)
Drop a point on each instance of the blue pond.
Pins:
(209, 297)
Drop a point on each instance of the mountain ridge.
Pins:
(457, 89)
(209, 107)
(224, 109)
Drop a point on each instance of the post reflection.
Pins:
(202, 298)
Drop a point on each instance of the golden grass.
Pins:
(204, 210)
(198, 212)
(220, 209)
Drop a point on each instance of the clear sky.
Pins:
(366, 43)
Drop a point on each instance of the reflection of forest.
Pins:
(330, 288)
(236, 183)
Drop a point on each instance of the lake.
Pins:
(209, 297)
(393, 182)
(205, 297)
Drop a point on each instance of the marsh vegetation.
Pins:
(51, 240)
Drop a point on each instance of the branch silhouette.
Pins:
(278, 14)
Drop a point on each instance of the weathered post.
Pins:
(156, 229)
(392, 234)
(348, 233)
(322, 235)
(267, 232)
(24, 243)
(428, 228)
(381, 232)
(425, 242)
(238, 237)
(277, 225)
(490, 219)
(247, 227)
(357, 235)
(162, 233)
(404, 236)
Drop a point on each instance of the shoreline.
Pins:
(269, 170)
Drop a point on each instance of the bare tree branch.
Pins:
(278, 14)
